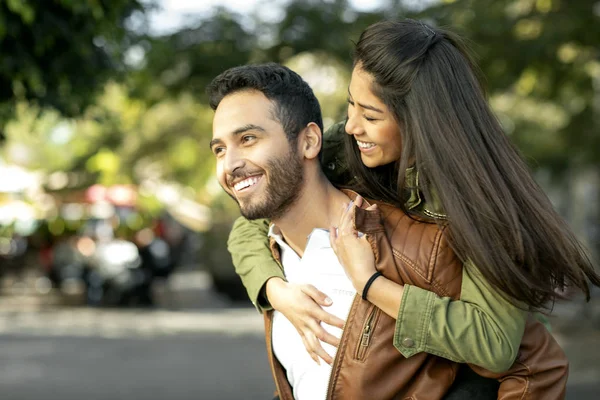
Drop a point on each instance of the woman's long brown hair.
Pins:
(499, 218)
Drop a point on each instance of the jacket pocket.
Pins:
(367, 332)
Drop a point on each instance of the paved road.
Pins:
(209, 366)
(212, 350)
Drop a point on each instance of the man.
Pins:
(267, 140)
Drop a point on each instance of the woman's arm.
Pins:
(248, 245)
(264, 280)
(482, 328)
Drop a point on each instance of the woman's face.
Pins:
(373, 126)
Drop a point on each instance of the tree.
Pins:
(59, 53)
(540, 58)
(187, 60)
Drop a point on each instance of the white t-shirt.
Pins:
(319, 267)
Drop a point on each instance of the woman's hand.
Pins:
(354, 252)
(302, 306)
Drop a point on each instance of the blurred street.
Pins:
(208, 348)
(196, 345)
(208, 366)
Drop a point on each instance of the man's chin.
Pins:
(254, 214)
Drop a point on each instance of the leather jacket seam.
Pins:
(435, 250)
(527, 379)
(410, 263)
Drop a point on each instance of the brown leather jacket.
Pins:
(368, 366)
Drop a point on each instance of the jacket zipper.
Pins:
(337, 353)
(365, 337)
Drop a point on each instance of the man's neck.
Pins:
(320, 205)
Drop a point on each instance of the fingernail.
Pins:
(328, 301)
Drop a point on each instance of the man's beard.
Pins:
(284, 186)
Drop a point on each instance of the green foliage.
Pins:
(186, 61)
(58, 53)
(540, 59)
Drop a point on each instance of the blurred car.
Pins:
(218, 263)
(13, 251)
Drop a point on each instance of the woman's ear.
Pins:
(312, 141)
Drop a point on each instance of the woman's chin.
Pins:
(371, 162)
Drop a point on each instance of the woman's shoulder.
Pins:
(411, 222)
(421, 245)
(416, 202)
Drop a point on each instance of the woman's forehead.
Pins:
(360, 88)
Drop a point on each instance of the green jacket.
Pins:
(482, 328)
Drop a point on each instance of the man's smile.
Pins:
(246, 184)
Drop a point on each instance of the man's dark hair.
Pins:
(295, 104)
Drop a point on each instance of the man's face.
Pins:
(256, 165)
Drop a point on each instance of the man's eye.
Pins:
(248, 138)
(218, 150)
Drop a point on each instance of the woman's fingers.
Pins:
(317, 313)
(318, 296)
(330, 319)
(321, 334)
(309, 349)
(314, 347)
(346, 227)
(358, 201)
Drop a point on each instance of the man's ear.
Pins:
(312, 141)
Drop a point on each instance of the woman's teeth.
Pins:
(365, 145)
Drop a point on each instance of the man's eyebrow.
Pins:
(249, 127)
(213, 142)
(368, 107)
(239, 131)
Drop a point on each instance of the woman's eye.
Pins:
(369, 119)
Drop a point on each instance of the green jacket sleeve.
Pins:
(482, 328)
(248, 245)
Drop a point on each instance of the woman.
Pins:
(422, 137)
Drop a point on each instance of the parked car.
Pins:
(218, 263)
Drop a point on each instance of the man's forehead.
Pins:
(241, 109)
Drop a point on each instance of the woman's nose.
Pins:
(353, 126)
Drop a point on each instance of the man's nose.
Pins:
(233, 161)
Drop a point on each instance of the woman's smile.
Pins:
(365, 147)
